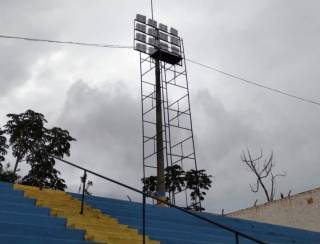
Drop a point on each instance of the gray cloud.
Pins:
(275, 43)
(106, 123)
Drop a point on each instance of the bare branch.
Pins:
(256, 187)
(262, 174)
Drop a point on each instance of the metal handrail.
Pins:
(145, 195)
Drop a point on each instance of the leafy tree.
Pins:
(42, 173)
(3, 147)
(150, 184)
(197, 182)
(33, 142)
(26, 133)
(177, 180)
(7, 175)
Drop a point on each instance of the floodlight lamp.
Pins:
(141, 27)
(175, 41)
(152, 23)
(163, 27)
(153, 42)
(163, 36)
(173, 31)
(141, 47)
(141, 18)
(152, 32)
(175, 50)
(164, 46)
(141, 37)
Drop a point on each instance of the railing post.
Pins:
(144, 220)
(84, 179)
(145, 195)
(237, 238)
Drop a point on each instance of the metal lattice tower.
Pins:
(166, 115)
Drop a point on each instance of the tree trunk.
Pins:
(16, 165)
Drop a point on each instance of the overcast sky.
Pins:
(95, 92)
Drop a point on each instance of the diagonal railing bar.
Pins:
(145, 194)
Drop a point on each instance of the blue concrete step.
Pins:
(15, 239)
(23, 208)
(40, 231)
(25, 218)
(152, 212)
(173, 226)
(22, 222)
(176, 230)
(17, 199)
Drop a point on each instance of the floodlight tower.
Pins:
(166, 114)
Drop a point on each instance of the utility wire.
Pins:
(255, 83)
(65, 42)
(190, 60)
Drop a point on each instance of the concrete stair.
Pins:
(29, 215)
(98, 227)
(22, 222)
(171, 226)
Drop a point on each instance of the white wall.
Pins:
(300, 211)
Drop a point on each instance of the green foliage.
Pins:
(8, 175)
(197, 182)
(177, 180)
(58, 141)
(42, 173)
(26, 132)
(3, 147)
(33, 142)
(150, 184)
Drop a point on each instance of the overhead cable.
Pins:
(65, 42)
(237, 77)
(255, 83)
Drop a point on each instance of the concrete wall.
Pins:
(300, 211)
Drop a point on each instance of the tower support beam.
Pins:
(160, 157)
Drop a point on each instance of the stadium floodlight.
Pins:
(163, 27)
(175, 41)
(141, 37)
(173, 31)
(152, 23)
(163, 36)
(159, 43)
(165, 103)
(141, 18)
(152, 32)
(141, 28)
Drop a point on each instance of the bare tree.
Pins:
(263, 170)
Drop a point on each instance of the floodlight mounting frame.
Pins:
(175, 110)
(160, 53)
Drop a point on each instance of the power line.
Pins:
(65, 42)
(255, 83)
(190, 60)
